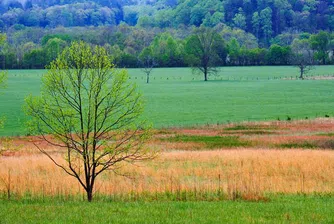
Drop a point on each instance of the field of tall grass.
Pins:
(247, 161)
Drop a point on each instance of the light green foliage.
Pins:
(166, 50)
(91, 110)
(245, 39)
(234, 51)
(3, 38)
(53, 48)
(3, 78)
(321, 43)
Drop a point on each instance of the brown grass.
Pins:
(250, 172)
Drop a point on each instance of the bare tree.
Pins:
(147, 62)
(88, 108)
(302, 56)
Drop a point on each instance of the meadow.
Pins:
(176, 97)
(289, 209)
(262, 172)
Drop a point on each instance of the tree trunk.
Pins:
(205, 74)
(148, 78)
(89, 192)
(301, 73)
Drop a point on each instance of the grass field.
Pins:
(210, 163)
(249, 172)
(282, 209)
(176, 97)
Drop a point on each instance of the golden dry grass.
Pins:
(255, 170)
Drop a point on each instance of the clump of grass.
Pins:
(330, 134)
(328, 144)
(304, 145)
(251, 132)
(324, 144)
(163, 132)
(248, 128)
(211, 141)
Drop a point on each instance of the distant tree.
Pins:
(239, 20)
(53, 48)
(256, 24)
(278, 55)
(266, 24)
(36, 58)
(147, 62)
(166, 50)
(302, 56)
(214, 19)
(202, 49)
(88, 107)
(234, 51)
(321, 44)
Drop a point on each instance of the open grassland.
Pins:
(282, 209)
(235, 173)
(209, 163)
(177, 98)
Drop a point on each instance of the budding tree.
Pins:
(203, 49)
(88, 108)
(302, 56)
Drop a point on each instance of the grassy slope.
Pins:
(182, 101)
(295, 209)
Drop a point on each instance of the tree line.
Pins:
(34, 48)
(265, 19)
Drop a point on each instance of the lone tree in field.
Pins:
(88, 108)
(147, 62)
(203, 49)
(302, 56)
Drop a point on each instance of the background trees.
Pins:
(321, 44)
(92, 112)
(264, 19)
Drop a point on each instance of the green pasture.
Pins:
(282, 209)
(176, 97)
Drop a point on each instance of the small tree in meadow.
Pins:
(147, 62)
(202, 51)
(88, 108)
(302, 56)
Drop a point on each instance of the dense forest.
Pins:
(254, 32)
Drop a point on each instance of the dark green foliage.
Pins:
(259, 132)
(323, 144)
(305, 145)
(248, 127)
